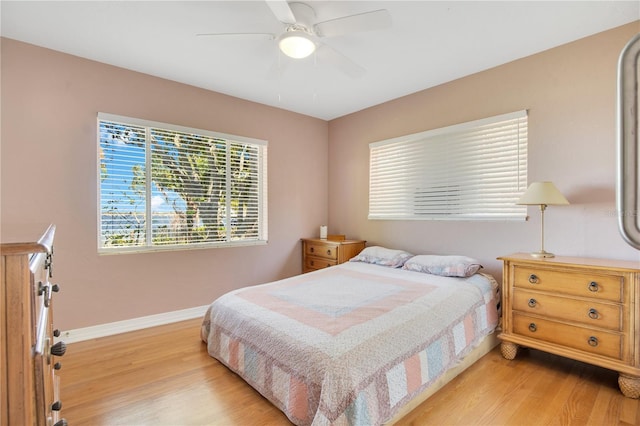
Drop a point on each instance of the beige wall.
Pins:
(570, 92)
(48, 171)
(48, 174)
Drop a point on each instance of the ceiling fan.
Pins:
(301, 35)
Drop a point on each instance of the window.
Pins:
(470, 171)
(169, 187)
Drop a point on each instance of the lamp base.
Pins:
(542, 254)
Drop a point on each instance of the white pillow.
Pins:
(446, 266)
(382, 256)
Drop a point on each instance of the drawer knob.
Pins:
(311, 250)
(57, 366)
(593, 314)
(58, 349)
(328, 252)
(311, 263)
(61, 422)
(533, 327)
(533, 279)
(593, 341)
(532, 303)
(48, 264)
(56, 406)
(593, 286)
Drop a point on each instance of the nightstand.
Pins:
(321, 253)
(580, 308)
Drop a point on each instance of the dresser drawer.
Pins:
(574, 283)
(326, 251)
(312, 263)
(588, 312)
(584, 339)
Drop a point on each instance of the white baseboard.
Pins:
(109, 329)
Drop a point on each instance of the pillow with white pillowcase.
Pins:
(446, 266)
(382, 256)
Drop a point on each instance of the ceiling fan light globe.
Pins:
(296, 45)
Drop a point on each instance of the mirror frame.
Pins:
(628, 143)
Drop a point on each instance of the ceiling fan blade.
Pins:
(240, 36)
(333, 57)
(367, 21)
(282, 11)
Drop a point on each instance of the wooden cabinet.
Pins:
(321, 253)
(581, 308)
(30, 386)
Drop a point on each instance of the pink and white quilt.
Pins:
(350, 344)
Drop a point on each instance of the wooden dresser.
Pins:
(28, 365)
(321, 253)
(580, 308)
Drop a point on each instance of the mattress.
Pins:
(350, 344)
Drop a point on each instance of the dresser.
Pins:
(28, 354)
(580, 308)
(321, 253)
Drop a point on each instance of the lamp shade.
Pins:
(540, 193)
(296, 44)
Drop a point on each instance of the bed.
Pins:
(356, 343)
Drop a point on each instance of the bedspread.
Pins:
(350, 344)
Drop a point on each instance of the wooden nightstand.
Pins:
(321, 253)
(579, 308)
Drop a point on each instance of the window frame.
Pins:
(410, 198)
(149, 246)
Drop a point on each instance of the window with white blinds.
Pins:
(163, 186)
(470, 171)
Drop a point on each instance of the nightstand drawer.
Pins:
(312, 263)
(321, 253)
(326, 251)
(584, 339)
(588, 312)
(575, 283)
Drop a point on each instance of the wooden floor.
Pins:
(164, 376)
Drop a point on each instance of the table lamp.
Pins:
(542, 194)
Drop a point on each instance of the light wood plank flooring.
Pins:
(164, 376)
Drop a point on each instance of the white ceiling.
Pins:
(429, 43)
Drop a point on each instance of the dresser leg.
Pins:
(509, 350)
(629, 385)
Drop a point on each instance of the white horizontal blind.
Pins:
(471, 171)
(198, 188)
(122, 185)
